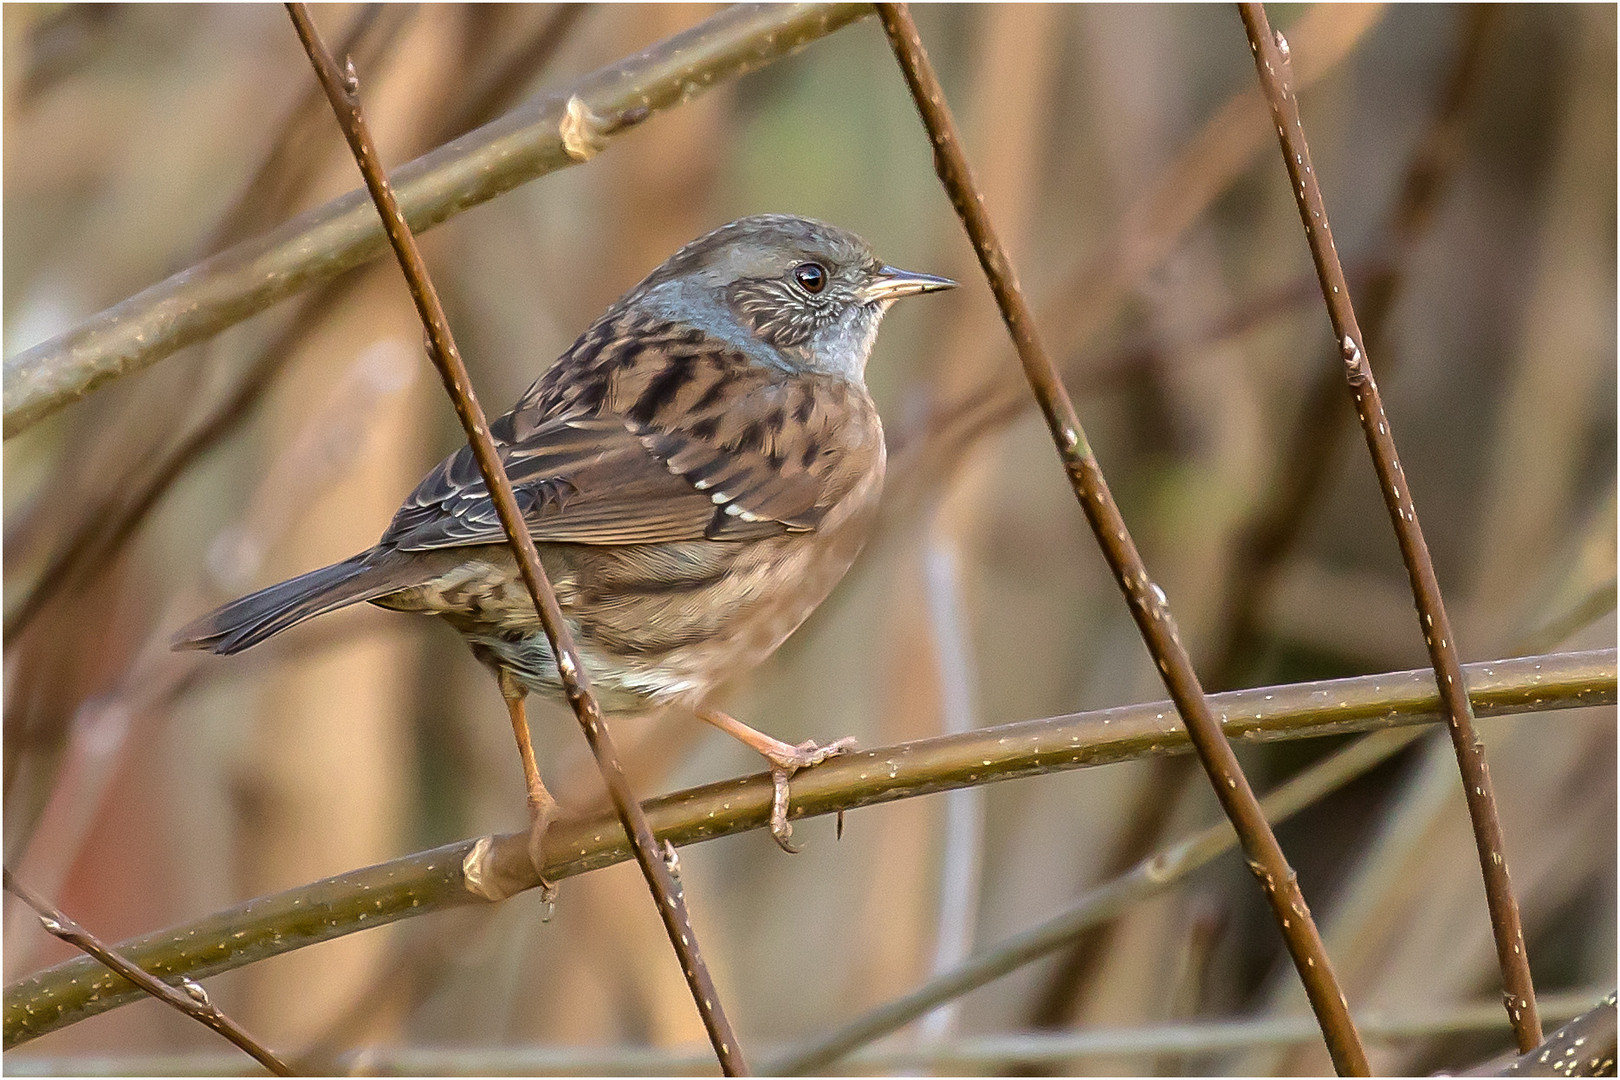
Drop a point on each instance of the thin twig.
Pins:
(433, 880)
(193, 1002)
(528, 142)
(1271, 62)
(969, 1055)
(1146, 599)
(343, 90)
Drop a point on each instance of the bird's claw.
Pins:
(783, 766)
(541, 814)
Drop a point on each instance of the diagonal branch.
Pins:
(194, 1002)
(1583, 1047)
(977, 1055)
(1146, 599)
(1271, 62)
(343, 91)
(433, 880)
(526, 143)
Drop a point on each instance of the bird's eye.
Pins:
(812, 276)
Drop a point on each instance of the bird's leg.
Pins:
(785, 758)
(542, 807)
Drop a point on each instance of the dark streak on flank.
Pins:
(705, 429)
(661, 390)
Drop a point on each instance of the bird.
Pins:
(698, 470)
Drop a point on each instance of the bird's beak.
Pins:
(891, 284)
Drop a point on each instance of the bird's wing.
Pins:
(653, 432)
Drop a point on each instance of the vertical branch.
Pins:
(1146, 599)
(342, 90)
(194, 1002)
(1271, 62)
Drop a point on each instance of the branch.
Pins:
(1271, 62)
(194, 1002)
(343, 91)
(1583, 1047)
(971, 1055)
(433, 881)
(526, 143)
(1146, 600)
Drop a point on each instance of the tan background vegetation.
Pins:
(142, 790)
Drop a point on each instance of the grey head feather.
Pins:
(737, 283)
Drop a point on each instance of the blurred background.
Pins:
(1468, 159)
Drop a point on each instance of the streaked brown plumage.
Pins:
(698, 470)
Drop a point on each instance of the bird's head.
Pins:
(811, 294)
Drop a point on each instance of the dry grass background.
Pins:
(142, 790)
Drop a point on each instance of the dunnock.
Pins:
(698, 470)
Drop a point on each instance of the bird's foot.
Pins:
(494, 868)
(541, 812)
(785, 761)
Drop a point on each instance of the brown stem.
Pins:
(1147, 601)
(1271, 62)
(194, 1002)
(342, 90)
(1148, 230)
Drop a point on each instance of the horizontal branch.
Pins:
(952, 1056)
(530, 141)
(432, 880)
(1585, 1046)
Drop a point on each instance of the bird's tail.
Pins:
(248, 621)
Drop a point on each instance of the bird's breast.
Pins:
(667, 623)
